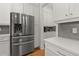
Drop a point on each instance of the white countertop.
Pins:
(2, 35)
(69, 44)
(5, 37)
(74, 19)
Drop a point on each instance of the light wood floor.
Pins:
(37, 52)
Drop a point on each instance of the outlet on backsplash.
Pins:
(74, 30)
(69, 30)
(0, 29)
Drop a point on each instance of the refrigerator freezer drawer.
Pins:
(22, 48)
(15, 50)
(27, 47)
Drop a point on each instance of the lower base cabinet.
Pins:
(48, 52)
(53, 50)
(4, 48)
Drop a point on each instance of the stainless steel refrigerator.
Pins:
(21, 34)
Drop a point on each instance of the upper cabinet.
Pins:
(65, 10)
(48, 16)
(5, 9)
(17, 7)
(28, 8)
(60, 10)
(74, 9)
(36, 14)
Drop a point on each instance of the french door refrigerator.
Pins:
(21, 34)
(27, 24)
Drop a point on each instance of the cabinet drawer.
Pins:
(66, 53)
(48, 52)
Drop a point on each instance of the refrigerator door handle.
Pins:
(22, 43)
(16, 44)
(26, 25)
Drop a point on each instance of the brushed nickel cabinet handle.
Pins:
(60, 53)
(66, 15)
(71, 14)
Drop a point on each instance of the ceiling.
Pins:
(48, 5)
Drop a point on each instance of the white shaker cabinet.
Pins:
(51, 50)
(48, 16)
(5, 46)
(60, 11)
(65, 10)
(48, 52)
(5, 9)
(17, 7)
(55, 50)
(74, 9)
(28, 8)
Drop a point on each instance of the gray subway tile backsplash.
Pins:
(65, 30)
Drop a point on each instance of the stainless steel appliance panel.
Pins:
(27, 24)
(27, 47)
(15, 50)
(15, 24)
(24, 19)
(31, 25)
(15, 17)
(15, 40)
(15, 45)
(21, 33)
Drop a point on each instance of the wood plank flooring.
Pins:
(37, 52)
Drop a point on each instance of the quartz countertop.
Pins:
(5, 37)
(69, 44)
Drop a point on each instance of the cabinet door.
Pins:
(17, 7)
(51, 50)
(74, 9)
(60, 10)
(48, 16)
(28, 9)
(4, 48)
(5, 9)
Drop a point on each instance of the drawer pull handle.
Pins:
(71, 14)
(66, 15)
(60, 53)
